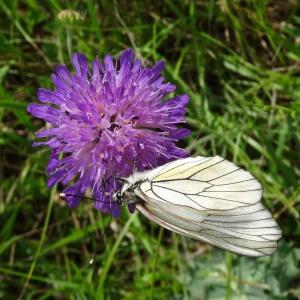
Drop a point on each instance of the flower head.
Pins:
(108, 122)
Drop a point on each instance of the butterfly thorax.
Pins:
(127, 194)
(129, 197)
(133, 181)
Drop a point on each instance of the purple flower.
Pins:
(108, 122)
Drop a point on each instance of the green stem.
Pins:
(109, 260)
(41, 242)
(229, 276)
(161, 230)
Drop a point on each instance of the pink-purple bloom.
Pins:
(107, 122)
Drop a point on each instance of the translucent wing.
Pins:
(212, 200)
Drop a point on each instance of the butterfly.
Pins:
(208, 199)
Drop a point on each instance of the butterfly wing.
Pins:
(212, 200)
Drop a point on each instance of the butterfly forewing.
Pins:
(212, 200)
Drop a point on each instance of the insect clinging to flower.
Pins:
(208, 199)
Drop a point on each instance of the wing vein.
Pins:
(189, 162)
(206, 169)
(224, 174)
(242, 191)
(199, 194)
(233, 182)
(164, 200)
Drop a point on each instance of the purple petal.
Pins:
(180, 134)
(80, 64)
(158, 67)
(49, 96)
(127, 56)
(47, 113)
(109, 63)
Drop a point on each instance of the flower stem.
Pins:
(41, 242)
(100, 292)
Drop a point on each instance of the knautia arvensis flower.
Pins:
(107, 122)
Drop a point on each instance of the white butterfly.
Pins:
(205, 198)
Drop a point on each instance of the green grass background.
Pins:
(240, 63)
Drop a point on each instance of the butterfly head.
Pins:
(120, 197)
(117, 197)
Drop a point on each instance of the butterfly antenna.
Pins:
(64, 196)
(100, 238)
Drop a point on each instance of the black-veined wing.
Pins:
(213, 200)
